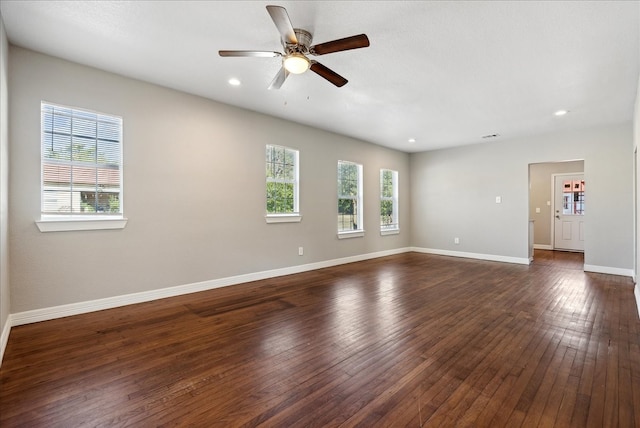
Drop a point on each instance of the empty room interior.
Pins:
(319, 213)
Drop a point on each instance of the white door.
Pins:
(569, 212)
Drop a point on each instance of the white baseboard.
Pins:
(46, 314)
(609, 270)
(489, 257)
(542, 247)
(636, 292)
(4, 337)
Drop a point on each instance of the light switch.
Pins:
(498, 199)
(548, 203)
(537, 210)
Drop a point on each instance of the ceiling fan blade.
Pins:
(353, 42)
(328, 74)
(283, 23)
(279, 79)
(256, 54)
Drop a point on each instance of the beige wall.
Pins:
(453, 194)
(193, 191)
(540, 183)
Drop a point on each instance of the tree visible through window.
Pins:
(282, 180)
(388, 199)
(81, 162)
(349, 196)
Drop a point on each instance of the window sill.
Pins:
(385, 232)
(283, 218)
(64, 224)
(351, 234)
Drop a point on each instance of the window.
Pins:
(388, 202)
(282, 184)
(349, 200)
(81, 166)
(573, 197)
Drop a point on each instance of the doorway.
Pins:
(542, 203)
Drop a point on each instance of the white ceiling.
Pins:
(444, 72)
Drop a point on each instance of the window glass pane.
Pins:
(55, 146)
(84, 128)
(58, 123)
(278, 171)
(288, 173)
(269, 163)
(108, 179)
(287, 197)
(348, 180)
(84, 149)
(80, 114)
(387, 183)
(279, 197)
(56, 174)
(271, 197)
(386, 213)
(99, 202)
(56, 201)
(347, 214)
(108, 152)
(289, 157)
(109, 131)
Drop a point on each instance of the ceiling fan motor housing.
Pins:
(304, 41)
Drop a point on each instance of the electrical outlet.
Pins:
(300, 251)
(456, 240)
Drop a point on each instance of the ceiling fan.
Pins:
(296, 43)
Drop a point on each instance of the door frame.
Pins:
(553, 204)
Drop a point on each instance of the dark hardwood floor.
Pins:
(407, 340)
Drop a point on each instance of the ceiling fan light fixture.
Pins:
(296, 63)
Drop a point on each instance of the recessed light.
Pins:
(561, 112)
(412, 140)
(234, 82)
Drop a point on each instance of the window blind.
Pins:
(81, 162)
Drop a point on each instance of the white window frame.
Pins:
(394, 227)
(69, 221)
(294, 216)
(359, 231)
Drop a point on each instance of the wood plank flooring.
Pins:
(407, 340)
